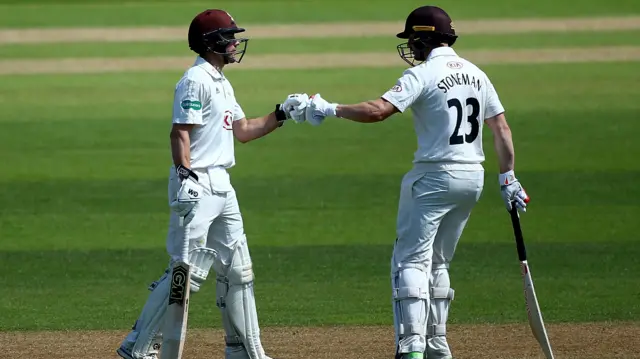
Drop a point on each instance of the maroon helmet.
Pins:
(214, 30)
(426, 27)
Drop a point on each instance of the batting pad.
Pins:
(441, 296)
(149, 338)
(237, 305)
(411, 300)
(201, 259)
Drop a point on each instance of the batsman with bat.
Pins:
(451, 100)
(206, 229)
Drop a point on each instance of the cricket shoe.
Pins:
(126, 354)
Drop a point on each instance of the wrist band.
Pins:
(280, 115)
(183, 172)
(507, 178)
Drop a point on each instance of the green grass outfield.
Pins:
(42, 13)
(320, 45)
(86, 210)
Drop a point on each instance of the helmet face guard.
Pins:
(415, 51)
(414, 54)
(223, 42)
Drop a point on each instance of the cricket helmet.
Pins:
(214, 30)
(425, 27)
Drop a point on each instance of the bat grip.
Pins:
(517, 231)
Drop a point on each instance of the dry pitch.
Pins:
(570, 341)
(579, 341)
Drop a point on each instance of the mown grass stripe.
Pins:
(331, 30)
(316, 61)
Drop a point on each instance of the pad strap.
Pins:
(442, 293)
(437, 330)
(410, 292)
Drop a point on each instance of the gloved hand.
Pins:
(294, 106)
(318, 109)
(188, 195)
(512, 190)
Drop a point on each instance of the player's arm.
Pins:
(181, 144)
(189, 99)
(510, 188)
(246, 130)
(401, 96)
(367, 112)
(502, 141)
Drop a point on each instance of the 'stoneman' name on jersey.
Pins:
(456, 79)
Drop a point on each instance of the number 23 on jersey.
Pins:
(469, 109)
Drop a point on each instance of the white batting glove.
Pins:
(294, 107)
(189, 194)
(318, 109)
(512, 191)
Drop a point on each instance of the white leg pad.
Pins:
(201, 259)
(441, 296)
(235, 298)
(411, 300)
(147, 334)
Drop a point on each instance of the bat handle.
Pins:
(517, 231)
(185, 240)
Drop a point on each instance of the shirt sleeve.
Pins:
(238, 114)
(405, 92)
(493, 106)
(188, 101)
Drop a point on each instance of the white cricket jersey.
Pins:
(450, 98)
(205, 98)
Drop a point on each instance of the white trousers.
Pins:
(217, 223)
(433, 210)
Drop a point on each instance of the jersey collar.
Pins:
(215, 73)
(441, 51)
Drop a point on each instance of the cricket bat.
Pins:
(531, 301)
(174, 331)
(175, 325)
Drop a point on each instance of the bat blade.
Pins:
(175, 325)
(536, 323)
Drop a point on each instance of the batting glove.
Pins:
(318, 109)
(189, 194)
(512, 191)
(294, 107)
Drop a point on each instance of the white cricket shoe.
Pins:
(126, 354)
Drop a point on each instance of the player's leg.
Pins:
(145, 338)
(465, 190)
(234, 284)
(422, 205)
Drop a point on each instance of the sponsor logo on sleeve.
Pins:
(191, 104)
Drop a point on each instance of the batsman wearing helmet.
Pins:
(451, 99)
(206, 227)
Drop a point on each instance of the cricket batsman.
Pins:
(451, 99)
(206, 119)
